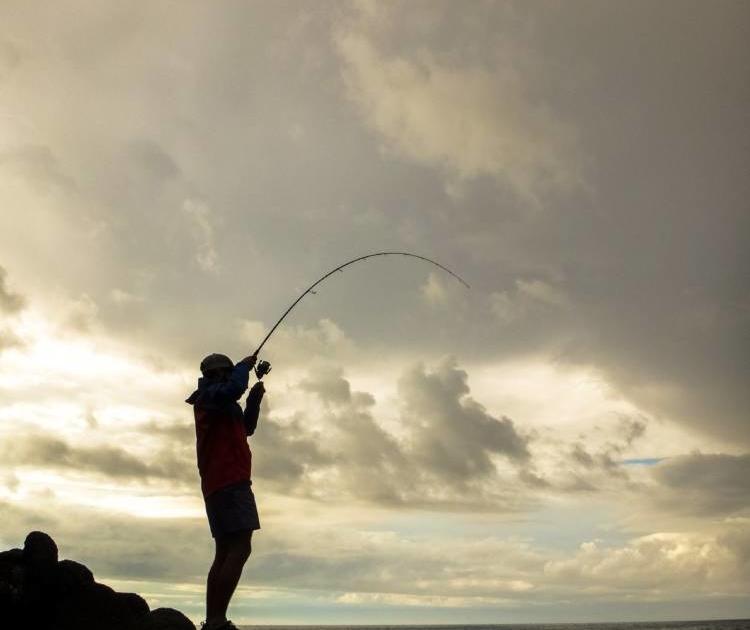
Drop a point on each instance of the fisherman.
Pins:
(224, 461)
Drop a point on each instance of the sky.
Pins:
(566, 440)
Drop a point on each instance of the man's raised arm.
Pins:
(252, 407)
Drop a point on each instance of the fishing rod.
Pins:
(264, 367)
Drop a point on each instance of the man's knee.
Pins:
(240, 544)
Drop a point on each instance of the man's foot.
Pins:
(218, 625)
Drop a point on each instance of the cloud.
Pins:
(10, 302)
(327, 445)
(443, 458)
(659, 563)
(454, 436)
(43, 451)
(703, 484)
(122, 297)
(285, 454)
(527, 299)
(469, 120)
(199, 219)
(329, 384)
(8, 339)
(114, 545)
(317, 343)
(81, 313)
(343, 444)
(343, 560)
(434, 291)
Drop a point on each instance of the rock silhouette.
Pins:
(40, 592)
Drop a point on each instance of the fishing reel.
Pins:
(262, 368)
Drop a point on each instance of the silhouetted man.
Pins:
(224, 462)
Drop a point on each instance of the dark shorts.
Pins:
(232, 509)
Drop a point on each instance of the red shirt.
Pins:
(220, 435)
(221, 444)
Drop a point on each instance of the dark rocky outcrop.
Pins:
(38, 592)
(164, 619)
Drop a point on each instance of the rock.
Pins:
(134, 603)
(72, 576)
(94, 607)
(39, 593)
(40, 551)
(11, 586)
(39, 577)
(11, 567)
(164, 619)
(11, 556)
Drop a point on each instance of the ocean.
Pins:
(716, 624)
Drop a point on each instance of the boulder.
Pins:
(11, 568)
(72, 576)
(39, 593)
(93, 607)
(11, 556)
(40, 551)
(134, 603)
(11, 586)
(163, 619)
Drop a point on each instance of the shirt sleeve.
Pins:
(231, 390)
(252, 408)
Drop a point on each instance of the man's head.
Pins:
(216, 366)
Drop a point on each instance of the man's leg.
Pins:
(213, 573)
(232, 551)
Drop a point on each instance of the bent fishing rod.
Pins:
(264, 367)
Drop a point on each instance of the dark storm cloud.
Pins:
(38, 450)
(454, 436)
(285, 453)
(361, 459)
(217, 189)
(329, 385)
(704, 484)
(444, 461)
(10, 301)
(647, 283)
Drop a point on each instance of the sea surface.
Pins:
(721, 624)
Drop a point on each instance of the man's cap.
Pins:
(216, 362)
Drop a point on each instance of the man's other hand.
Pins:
(258, 386)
